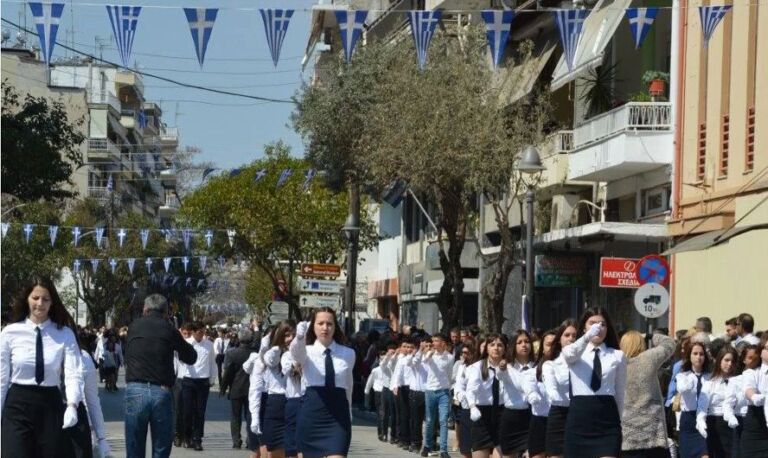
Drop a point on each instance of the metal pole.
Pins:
(529, 267)
(352, 228)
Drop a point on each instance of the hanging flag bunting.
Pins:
(422, 28)
(110, 184)
(27, 232)
(200, 282)
(640, 22)
(99, 236)
(131, 263)
(207, 172)
(75, 235)
(124, 20)
(308, 176)
(47, 17)
(569, 23)
(222, 261)
(76, 266)
(188, 282)
(148, 263)
(351, 29)
(95, 265)
(284, 175)
(710, 18)
(498, 23)
(185, 261)
(52, 232)
(261, 173)
(231, 236)
(167, 263)
(168, 235)
(144, 234)
(121, 233)
(186, 235)
(201, 26)
(208, 237)
(5, 227)
(203, 262)
(235, 172)
(113, 264)
(275, 26)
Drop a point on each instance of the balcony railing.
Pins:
(634, 116)
(562, 141)
(170, 134)
(102, 146)
(105, 98)
(172, 202)
(98, 192)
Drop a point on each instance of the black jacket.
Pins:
(235, 379)
(149, 349)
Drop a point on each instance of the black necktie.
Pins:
(597, 372)
(330, 374)
(494, 387)
(698, 386)
(39, 361)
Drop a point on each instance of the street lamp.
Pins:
(351, 231)
(529, 165)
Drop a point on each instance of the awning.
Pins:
(518, 80)
(713, 238)
(597, 32)
(323, 17)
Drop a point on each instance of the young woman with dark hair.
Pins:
(735, 403)
(324, 426)
(536, 395)
(598, 371)
(754, 437)
(516, 415)
(484, 396)
(690, 381)
(294, 390)
(556, 378)
(718, 433)
(468, 357)
(33, 351)
(274, 426)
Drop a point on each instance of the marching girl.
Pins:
(556, 377)
(324, 425)
(257, 396)
(33, 350)
(712, 399)
(735, 403)
(516, 416)
(754, 437)
(598, 371)
(690, 381)
(273, 428)
(294, 390)
(484, 396)
(536, 395)
(463, 432)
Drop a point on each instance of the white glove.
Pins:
(733, 422)
(301, 329)
(475, 414)
(533, 398)
(70, 417)
(701, 425)
(255, 427)
(265, 341)
(758, 399)
(106, 450)
(594, 330)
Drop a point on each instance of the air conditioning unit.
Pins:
(563, 210)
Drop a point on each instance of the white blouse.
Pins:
(735, 402)
(580, 356)
(294, 388)
(312, 360)
(531, 385)
(479, 392)
(686, 385)
(91, 396)
(712, 397)
(513, 392)
(555, 374)
(756, 379)
(18, 344)
(255, 367)
(460, 385)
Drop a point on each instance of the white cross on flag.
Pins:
(498, 23)
(201, 26)
(186, 236)
(284, 175)
(113, 264)
(131, 263)
(167, 263)
(710, 18)
(423, 25)
(640, 22)
(231, 236)
(124, 20)
(47, 17)
(52, 232)
(351, 29)
(121, 236)
(275, 26)
(99, 236)
(569, 23)
(185, 261)
(75, 235)
(95, 264)
(148, 262)
(76, 266)
(144, 233)
(27, 232)
(208, 237)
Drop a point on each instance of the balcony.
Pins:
(131, 82)
(169, 137)
(170, 207)
(100, 193)
(130, 120)
(631, 139)
(104, 98)
(102, 150)
(168, 177)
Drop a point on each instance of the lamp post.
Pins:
(529, 165)
(351, 231)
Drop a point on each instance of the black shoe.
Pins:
(444, 455)
(413, 449)
(382, 438)
(238, 445)
(403, 446)
(393, 441)
(199, 446)
(187, 444)
(425, 452)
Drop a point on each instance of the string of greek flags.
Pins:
(124, 21)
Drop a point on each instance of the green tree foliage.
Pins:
(39, 147)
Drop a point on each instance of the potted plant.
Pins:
(656, 82)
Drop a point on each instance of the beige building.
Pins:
(720, 191)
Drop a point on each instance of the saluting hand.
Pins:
(594, 330)
(301, 329)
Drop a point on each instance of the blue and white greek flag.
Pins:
(188, 282)
(275, 26)
(52, 232)
(124, 20)
(231, 236)
(27, 232)
(110, 183)
(261, 173)
(186, 236)
(640, 22)
(569, 23)
(76, 266)
(113, 264)
(148, 263)
(131, 264)
(710, 18)
(5, 227)
(351, 29)
(525, 321)
(167, 263)
(498, 23)
(222, 261)
(208, 237)
(201, 26)
(47, 17)
(99, 236)
(423, 25)
(200, 282)
(75, 235)
(142, 118)
(95, 265)
(185, 262)
(144, 234)
(121, 233)
(309, 175)
(203, 262)
(284, 175)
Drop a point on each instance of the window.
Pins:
(656, 200)
(749, 163)
(724, 144)
(701, 153)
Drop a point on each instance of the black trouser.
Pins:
(32, 421)
(379, 409)
(239, 409)
(387, 414)
(219, 362)
(195, 395)
(418, 410)
(404, 414)
(178, 410)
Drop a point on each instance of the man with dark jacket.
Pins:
(237, 381)
(149, 375)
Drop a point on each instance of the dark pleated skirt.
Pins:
(465, 431)
(292, 406)
(719, 437)
(513, 434)
(537, 435)
(32, 423)
(593, 427)
(485, 431)
(273, 428)
(692, 445)
(324, 426)
(754, 436)
(555, 437)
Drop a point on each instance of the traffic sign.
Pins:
(277, 311)
(651, 300)
(320, 270)
(315, 301)
(618, 273)
(320, 286)
(653, 269)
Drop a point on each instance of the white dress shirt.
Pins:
(748, 338)
(220, 346)
(480, 392)
(91, 397)
(735, 402)
(385, 375)
(438, 368)
(274, 380)
(312, 360)
(460, 384)
(555, 374)
(686, 385)
(532, 385)
(580, 356)
(415, 374)
(205, 366)
(398, 374)
(712, 397)
(513, 388)
(374, 381)
(255, 368)
(294, 387)
(756, 379)
(18, 344)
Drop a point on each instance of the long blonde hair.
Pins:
(632, 344)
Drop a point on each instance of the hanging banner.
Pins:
(5, 227)
(168, 233)
(124, 20)
(498, 23)
(99, 236)
(284, 175)
(186, 236)
(275, 26)
(222, 261)
(185, 262)
(208, 237)
(144, 234)
(203, 262)
(27, 232)
(148, 263)
(121, 233)
(710, 18)
(423, 25)
(167, 264)
(110, 184)
(113, 264)
(75, 235)
(309, 175)
(569, 23)
(261, 173)
(640, 22)
(76, 266)
(95, 265)
(52, 232)
(131, 264)
(231, 236)
(201, 26)
(351, 29)
(47, 17)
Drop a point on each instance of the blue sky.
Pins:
(229, 130)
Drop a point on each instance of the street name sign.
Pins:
(320, 286)
(618, 273)
(320, 270)
(651, 300)
(315, 301)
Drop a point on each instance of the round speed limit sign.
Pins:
(651, 300)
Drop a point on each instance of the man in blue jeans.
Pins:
(438, 363)
(149, 349)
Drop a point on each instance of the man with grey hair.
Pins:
(237, 381)
(149, 348)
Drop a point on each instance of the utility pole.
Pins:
(351, 232)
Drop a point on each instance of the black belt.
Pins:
(145, 382)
